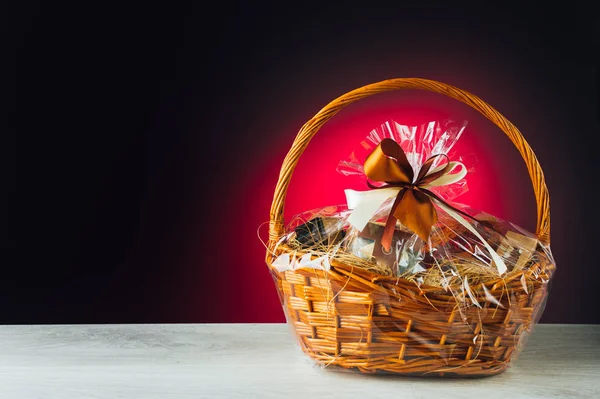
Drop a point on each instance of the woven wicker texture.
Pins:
(355, 319)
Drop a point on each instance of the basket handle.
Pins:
(310, 128)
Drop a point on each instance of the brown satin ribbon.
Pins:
(413, 206)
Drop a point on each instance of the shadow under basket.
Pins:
(350, 318)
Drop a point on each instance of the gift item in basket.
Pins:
(519, 246)
(406, 249)
(319, 231)
(460, 291)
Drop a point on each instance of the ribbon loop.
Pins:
(388, 163)
(426, 175)
(447, 178)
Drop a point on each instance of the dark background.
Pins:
(134, 130)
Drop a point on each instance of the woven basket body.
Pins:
(359, 320)
(351, 318)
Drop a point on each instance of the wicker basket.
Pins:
(354, 319)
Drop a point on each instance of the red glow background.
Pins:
(149, 152)
(240, 278)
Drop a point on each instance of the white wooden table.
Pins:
(260, 361)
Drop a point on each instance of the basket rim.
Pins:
(374, 278)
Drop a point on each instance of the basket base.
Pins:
(474, 369)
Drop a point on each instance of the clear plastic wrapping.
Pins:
(458, 300)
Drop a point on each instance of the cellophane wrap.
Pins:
(473, 307)
(419, 143)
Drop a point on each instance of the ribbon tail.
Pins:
(390, 224)
(500, 265)
(416, 212)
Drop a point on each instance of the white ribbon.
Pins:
(447, 178)
(364, 205)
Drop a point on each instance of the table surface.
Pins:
(260, 361)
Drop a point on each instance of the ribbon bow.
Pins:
(413, 205)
